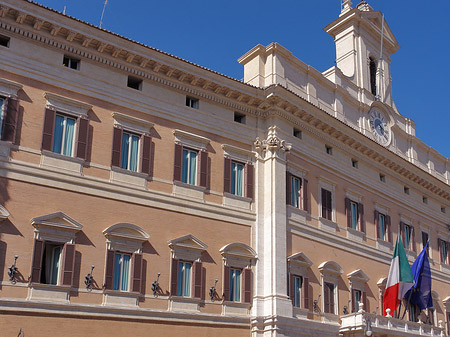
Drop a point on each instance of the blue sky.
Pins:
(216, 33)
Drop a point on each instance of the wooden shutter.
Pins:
(249, 180)
(109, 269)
(36, 266)
(365, 301)
(348, 211)
(116, 147)
(362, 224)
(305, 293)
(227, 176)
(226, 283)
(247, 285)
(69, 264)
(174, 278)
(402, 234)
(178, 162)
(326, 298)
(288, 188)
(49, 125)
(136, 268)
(197, 279)
(324, 203)
(146, 162)
(387, 221)
(10, 123)
(377, 223)
(305, 194)
(354, 309)
(332, 290)
(82, 142)
(203, 168)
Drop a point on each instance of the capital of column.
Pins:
(272, 145)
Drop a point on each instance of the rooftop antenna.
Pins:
(103, 12)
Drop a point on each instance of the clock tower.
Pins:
(364, 44)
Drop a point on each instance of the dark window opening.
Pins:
(192, 102)
(239, 118)
(297, 133)
(71, 62)
(354, 163)
(406, 190)
(382, 178)
(373, 76)
(4, 41)
(134, 83)
(328, 149)
(425, 200)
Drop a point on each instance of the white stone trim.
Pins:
(232, 200)
(187, 248)
(382, 209)
(48, 293)
(56, 227)
(9, 88)
(299, 263)
(358, 279)
(4, 214)
(125, 237)
(191, 140)
(67, 105)
(128, 177)
(238, 154)
(406, 220)
(56, 161)
(115, 298)
(238, 255)
(131, 123)
(353, 196)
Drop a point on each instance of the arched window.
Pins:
(373, 75)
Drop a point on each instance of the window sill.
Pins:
(232, 200)
(116, 298)
(180, 303)
(301, 312)
(385, 246)
(5, 149)
(328, 225)
(445, 268)
(124, 176)
(327, 318)
(48, 292)
(235, 308)
(186, 190)
(355, 235)
(58, 161)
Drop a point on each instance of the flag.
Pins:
(400, 279)
(420, 293)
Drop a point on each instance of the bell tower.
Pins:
(364, 44)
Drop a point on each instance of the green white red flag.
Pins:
(400, 279)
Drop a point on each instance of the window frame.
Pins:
(70, 61)
(64, 130)
(121, 271)
(326, 197)
(192, 102)
(235, 296)
(131, 135)
(186, 169)
(407, 232)
(354, 210)
(184, 288)
(298, 266)
(383, 214)
(330, 272)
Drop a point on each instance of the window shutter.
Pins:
(413, 238)
(38, 251)
(440, 249)
(198, 279)
(402, 234)
(146, 162)
(362, 224)
(326, 298)
(177, 163)
(348, 212)
(365, 302)
(329, 208)
(247, 285)
(324, 203)
(109, 270)
(203, 168)
(116, 147)
(377, 223)
(249, 181)
(291, 288)
(47, 134)
(387, 220)
(136, 267)
(288, 188)
(354, 309)
(83, 133)
(305, 293)
(69, 264)
(10, 125)
(305, 194)
(332, 298)
(227, 176)
(226, 283)
(174, 278)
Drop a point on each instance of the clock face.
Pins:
(379, 127)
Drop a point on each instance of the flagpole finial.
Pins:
(388, 312)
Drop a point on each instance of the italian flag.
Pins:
(400, 279)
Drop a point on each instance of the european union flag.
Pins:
(420, 293)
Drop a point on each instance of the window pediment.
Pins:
(238, 154)
(67, 105)
(238, 255)
(382, 282)
(9, 88)
(191, 140)
(131, 123)
(56, 227)
(4, 214)
(446, 302)
(331, 267)
(358, 276)
(187, 247)
(300, 259)
(125, 237)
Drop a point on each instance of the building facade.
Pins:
(143, 194)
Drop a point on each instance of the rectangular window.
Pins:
(326, 204)
(2, 114)
(129, 156)
(189, 167)
(298, 282)
(184, 279)
(296, 186)
(51, 263)
(354, 214)
(414, 312)
(425, 238)
(122, 264)
(357, 297)
(407, 236)
(382, 226)
(443, 248)
(235, 285)
(4, 41)
(239, 118)
(237, 179)
(297, 133)
(329, 298)
(328, 149)
(134, 83)
(71, 62)
(64, 135)
(192, 102)
(354, 163)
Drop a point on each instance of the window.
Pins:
(425, 200)
(51, 263)
(296, 186)
(71, 62)
(184, 279)
(130, 152)
(235, 285)
(406, 190)
(329, 298)
(356, 299)
(239, 118)
(329, 149)
(192, 102)
(425, 238)
(355, 214)
(326, 204)
(238, 178)
(296, 191)
(330, 273)
(373, 76)
(298, 265)
(443, 251)
(354, 163)
(134, 83)
(382, 178)
(63, 136)
(407, 235)
(443, 209)
(383, 224)
(448, 323)
(414, 312)
(189, 167)
(297, 289)
(4, 41)
(358, 283)
(9, 108)
(121, 271)
(297, 133)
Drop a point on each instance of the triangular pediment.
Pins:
(189, 242)
(330, 267)
(382, 282)
(4, 214)
(58, 220)
(126, 231)
(238, 250)
(359, 276)
(300, 259)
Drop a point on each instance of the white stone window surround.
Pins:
(384, 245)
(444, 266)
(330, 272)
(426, 229)
(66, 105)
(7, 89)
(125, 238)
(324, 223)
(436, 299)
(54, 227)
(358, 281)
(4, 214)
(355, 234)
(298, 265)
(381, 287)
(408, 221)
(132, 124)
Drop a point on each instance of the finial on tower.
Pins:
(346, 5)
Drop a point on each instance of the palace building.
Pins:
(142, 194)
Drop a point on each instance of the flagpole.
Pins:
(407, 304)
